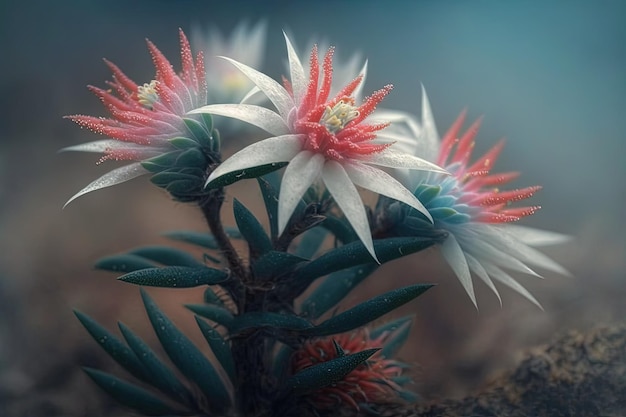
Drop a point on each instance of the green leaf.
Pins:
(214, 313)
(186, 356)
(326, 373)
(399, 330)
(131, 395)
(369, 310)
(274, 264)
(270, 198)
(355, 253)
(260, 319)
(167, 256)
(251, 229)
(183, 143)
(197, 129)
(340, 229)
(311, 241)
(121, 353)
(207, 121)
(160, 376)
(211, 297)
(175, 277)
(219, 347)
(192, 157)
(165, 178)
(161, 162)
(255, 172)
(334, 289)
(204, 240)
(123, 263)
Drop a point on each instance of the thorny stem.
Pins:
(210, 207)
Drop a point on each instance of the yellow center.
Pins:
(337, 117)
(147, 94)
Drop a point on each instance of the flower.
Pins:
(320, 137)
(377, 380)
(471, 207)
(246, 44)
(144, 118)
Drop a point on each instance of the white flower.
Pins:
(477, 216)
(320, 137)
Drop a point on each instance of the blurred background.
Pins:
(547, 75)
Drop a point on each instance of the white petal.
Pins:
(349, 201)
(392, 159)
(382, 183)
(259, 116)
(98, 146)
(117, 176)
(298, 77)
(273, 90)
(486, 251)
(428, 140)
(453, 254)
(248, 97)
(268, 151)
(302, 171)
(500, 238)
(476, 267)
(499, 275)
(535, 237)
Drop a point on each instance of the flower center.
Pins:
(337, 117)
(147, 94)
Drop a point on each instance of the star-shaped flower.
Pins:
(470, 205)
(144, 118)
(320, 137)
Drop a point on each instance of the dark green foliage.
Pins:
(334, 289)
(261, 319)
(275, 264)
(124, 263)
(121, 353)
(214, 313)
(131, 395)
(255, 172)
(400, 329)
(325, 373)
(219, 346)
(270, 198)
(355, 253)
(368, 310)
(204, 240)
(159, 375)
(187, 358)
(167, 256)
(311, 242)
(251, 229)
(175, 277)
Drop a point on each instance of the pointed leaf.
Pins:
(167, 256)
(255, 172)
(355, 253)
(160, 376)
(214, 313)
(197, 129)
(311, 241)
(369, 310)
(260, 319)
(274, 264)
(219, 346)
(399, 330)
(270, 197)
(251, 229)
(123, 263)
(326, 373)
(131, 395)
(192, 157)
(195, 238)
(121, 353)
(183, 143)
(186, 356)
(341, 229)
(175, 277)
(334, 289)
